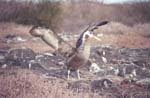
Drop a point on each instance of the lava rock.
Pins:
(13, 39)
(22, 56)
(101, 84)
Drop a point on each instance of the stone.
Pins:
(21, 56)
(94, 68)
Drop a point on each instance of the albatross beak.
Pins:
(95, 37)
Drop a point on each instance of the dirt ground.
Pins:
(17, 82)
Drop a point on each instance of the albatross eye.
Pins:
(86, 36)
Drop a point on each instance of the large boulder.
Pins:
(21, 56)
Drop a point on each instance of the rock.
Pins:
(47, 61)
(19, 39)
(114, 71)
(94, 68)
(49, 54)
(129, 63)
(3, 53)
(21, 56)
(61, 63)
(4, 66)
(144, 82)
(143, 63)
(101, 84)
(13, 39)
(2, 57)
(10, 36)
(121, 55)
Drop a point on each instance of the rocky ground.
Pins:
(30, 70)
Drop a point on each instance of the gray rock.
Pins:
(21, 56)
(101, 84)
(13, 39)
(144, 82)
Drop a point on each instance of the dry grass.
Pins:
(14, 29)
(115, 34)
(23, 83)
(120, 35)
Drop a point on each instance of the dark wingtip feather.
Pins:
(79, 42)
(99, 24)
(102, 23)
(32, 28)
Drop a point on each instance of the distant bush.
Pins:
(141, 11)
(44, 13)
(73, 15)
(81, 13)
(50, 13)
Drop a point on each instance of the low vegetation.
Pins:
(44, 13)
(72, 16)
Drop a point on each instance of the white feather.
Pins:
(104, 59)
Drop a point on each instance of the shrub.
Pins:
(44, 13)
(141, 11)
